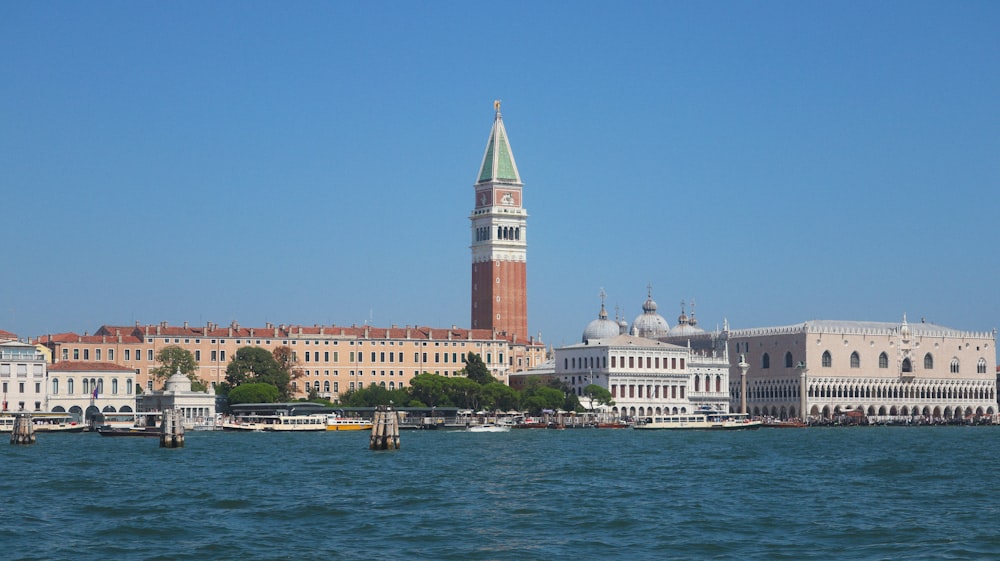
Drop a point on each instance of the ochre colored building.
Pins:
(328, 359)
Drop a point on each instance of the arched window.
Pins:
(883, 360)
(86, 386)
(765, 361)
(827, 359)
(517, 234)
(55, 386)
(907, 367)
(788, 360)
(928, 362)
(114, 386)
(981, 366)
(69, 386)
(954, 366)
(697, 384)
(326, 386)
(855, 360)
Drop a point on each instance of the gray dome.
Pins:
(178, 383)
(650, 324)
(600, 328)
(685, 329)
(686, 325)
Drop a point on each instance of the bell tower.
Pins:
(499, 240)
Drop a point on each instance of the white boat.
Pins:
(488, 427)
(44, 422)
(336, 422)
(698, 420)
(277, 423)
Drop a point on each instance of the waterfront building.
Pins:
(823, 369)
(7, 336)
(195, 407)
(22, 376)
(84, 389)
(499, 240)
(644, 376)
(328, 360)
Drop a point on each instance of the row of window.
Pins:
(336, 386)
(768, 392)
(397, 357)
(503, 233)
(883, 362)
(91, 386)
(651, 392)
(650, 362)
(310, 356)
(20, 389)
(21, 369)
(110, 355)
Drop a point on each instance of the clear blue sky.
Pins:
(313, 162)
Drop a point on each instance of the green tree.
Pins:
(285, 357)
(374, 395)
(463, 392)
(173, 359)
(254, 393)
(541, 398)
(597, 394)
(499, 397)
(476, 370)
(257, 365)
(570, 401)
(430, 389)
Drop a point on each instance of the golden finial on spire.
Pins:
(496, 105)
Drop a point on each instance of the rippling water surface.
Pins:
(851, 493)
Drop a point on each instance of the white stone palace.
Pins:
(645, 376)
(880, 370)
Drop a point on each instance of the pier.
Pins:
(171, 430)
(24, 430)
(385, 429)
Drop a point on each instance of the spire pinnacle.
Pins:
(498, 160)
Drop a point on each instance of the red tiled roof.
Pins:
(139, 333)
(4, 335)
(86, 366)
(74, 338)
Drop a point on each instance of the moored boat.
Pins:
(108, 430)
(277, 423)
(699, 420)
(488, 427)
(44, 422)
(338, 423)
(786, 424)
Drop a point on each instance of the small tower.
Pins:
(499, 240)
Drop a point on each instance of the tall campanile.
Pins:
(499, 241)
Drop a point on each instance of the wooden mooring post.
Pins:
(171, 430)
(24, 430)
(385, 429)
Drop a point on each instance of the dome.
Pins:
(602, 327)
(177, 383)
(686, 325)
(685, 329)
(650, 324)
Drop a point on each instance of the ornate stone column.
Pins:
(743, 383)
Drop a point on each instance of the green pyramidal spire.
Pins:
(498, 161)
